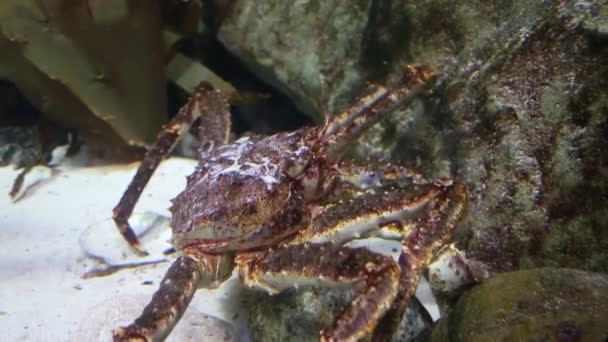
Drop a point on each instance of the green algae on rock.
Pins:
(301, 48)
(546, 304)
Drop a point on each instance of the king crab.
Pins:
(280, 209)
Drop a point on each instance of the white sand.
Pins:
(42, 295)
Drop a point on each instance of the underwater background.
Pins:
(518, 113)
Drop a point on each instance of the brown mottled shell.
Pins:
(243, 195)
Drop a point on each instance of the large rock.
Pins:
(299, 315)
(307, 49)
(518, 113)
(546, 304)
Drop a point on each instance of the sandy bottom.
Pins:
(43, 296)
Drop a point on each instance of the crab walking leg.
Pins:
(167, 305)
(364, 215)
(18, 182)
(347, 126)
(370, 97)
(421, 215)
(205, 102)
(356, 179)
(176, 290)
(375, 276)
(430, 233)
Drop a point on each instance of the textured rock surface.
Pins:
(307, 49)
(300, 315)
(523, 128)
(519, 113)
(292, 316)
(546, 304)
(96, 68)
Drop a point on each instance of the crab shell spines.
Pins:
(244, 195)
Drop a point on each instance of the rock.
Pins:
(292, 315)
(523, 130)
(19, 146)
(299, 315)
(546, 304)
(518, 113)
(321, 53)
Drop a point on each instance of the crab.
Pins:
(281, 209)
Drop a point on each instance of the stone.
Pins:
(299, 315)
(305, 49)
(518, 113)
(545, 304)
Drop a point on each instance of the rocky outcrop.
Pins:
(546, 304)
(518, 113)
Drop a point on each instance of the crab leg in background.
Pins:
(344, 128)
(205, 102)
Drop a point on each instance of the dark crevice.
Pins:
(378, 43)
(274, 113)
(15, 109)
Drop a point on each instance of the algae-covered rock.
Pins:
(322, 52)
(546, 304)
(97, 66)
(292, 315)
(524, 129)
(299, 315)
(305, 49)
(519, 112)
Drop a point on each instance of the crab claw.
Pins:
(127, 232)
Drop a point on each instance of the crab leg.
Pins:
(375, 276)
(430, 233)
(369, 108)
(176, 290)
(205, 102)
(167, 305)
(361, 216)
